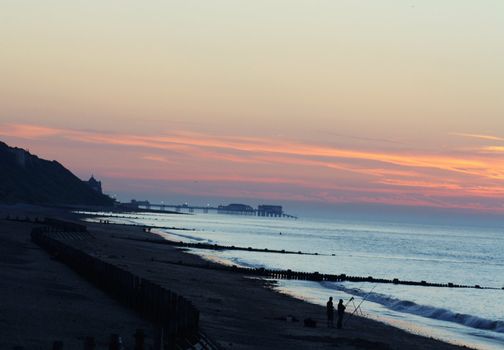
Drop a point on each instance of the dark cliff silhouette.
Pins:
(25, 178)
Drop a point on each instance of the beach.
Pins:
(43, 301)
(236, 311)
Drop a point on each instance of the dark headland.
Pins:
(26, 178)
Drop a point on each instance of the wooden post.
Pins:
(139, 339)
(115, 342)
(158, 338)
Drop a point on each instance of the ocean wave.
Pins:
(411, 307)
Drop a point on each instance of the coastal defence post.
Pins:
(176, 317)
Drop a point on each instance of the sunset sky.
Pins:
(337, 102)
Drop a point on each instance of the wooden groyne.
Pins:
(146, 227)
(290, 274)
(317, 277)
(176, 317)
(210, 246)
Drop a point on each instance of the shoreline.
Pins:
(236, 311)
(274, 285)
(270, 286)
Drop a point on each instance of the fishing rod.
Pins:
(349, 300)
(352, 300)
(358, 306)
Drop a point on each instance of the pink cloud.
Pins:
(317, 172)
(27, 131)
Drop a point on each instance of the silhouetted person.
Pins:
(341, 313)
(330, 313)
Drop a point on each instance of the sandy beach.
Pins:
(43, 300)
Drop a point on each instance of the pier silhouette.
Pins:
(263, 210)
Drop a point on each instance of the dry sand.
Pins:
(41, 300)
(236, 311)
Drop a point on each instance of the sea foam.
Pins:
(422, 310)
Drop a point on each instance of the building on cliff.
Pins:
(94, 184)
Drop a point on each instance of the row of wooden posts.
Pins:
(209, 246)
(318, 277)
(296, 275)
(176, 317)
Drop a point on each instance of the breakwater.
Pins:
(215, 246)
(175, 317)
(294, 275)
(319, 277)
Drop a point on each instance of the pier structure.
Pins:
(235, 208)
(264, 210)
(270, 210)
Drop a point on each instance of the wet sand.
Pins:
(236, 311)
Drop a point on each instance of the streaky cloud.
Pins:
(478, 136)
(287, 168)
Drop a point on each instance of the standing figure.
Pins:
(341, 313)
(330, 313)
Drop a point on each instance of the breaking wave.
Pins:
(425, 310)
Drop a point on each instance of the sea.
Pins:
(466, 255)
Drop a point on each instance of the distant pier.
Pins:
(263, 210)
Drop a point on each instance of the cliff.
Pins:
(26, 178)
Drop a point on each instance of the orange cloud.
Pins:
(181, 141)
(493, 149)
(321, 171)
